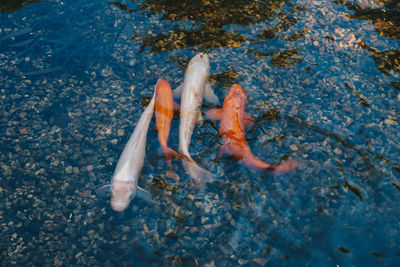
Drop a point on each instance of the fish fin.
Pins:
(222, 151)
(178, 91)
(198, 174)
(209, 95)
(176, 105)
(169, 154)
(215, 114)
(144, 194)
(104, 191)
(199, 118)
(248, 121)
(285, 167)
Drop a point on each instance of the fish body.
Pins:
(124, 183)
(232, 130)
(194, 88)
(164, 107)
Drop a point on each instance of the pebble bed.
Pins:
(322, 80)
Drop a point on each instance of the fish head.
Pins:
(161, 83)
(236, 97)
(122, 193)
(200, 59)
(237, 91)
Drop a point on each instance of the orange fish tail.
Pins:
(285, 167)
(169, 153)
(255, 163)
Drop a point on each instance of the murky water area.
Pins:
(322, 80)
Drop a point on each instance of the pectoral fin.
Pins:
(209, 95)
(248, 121)
(178, 91)
(199, 118)
(223, 151)
(176, 106)
(144, 194)
(215, 114)
(104, 191)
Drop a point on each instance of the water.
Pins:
(322, 79)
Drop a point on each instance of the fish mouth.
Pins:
(237, 91)
(201, 57)
(119, 205)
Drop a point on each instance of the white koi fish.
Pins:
(124, 183)
(194, 87)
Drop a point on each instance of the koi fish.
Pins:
(194, 88)
(124, 183)
(233, 121)
(164, 112)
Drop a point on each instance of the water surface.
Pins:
(322, 80)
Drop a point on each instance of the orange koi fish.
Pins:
(233, 120)
(164, 113)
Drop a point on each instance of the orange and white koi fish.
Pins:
(233, 121)
(164, 114)
(194, 88)
(124, 183)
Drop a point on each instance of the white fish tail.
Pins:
(199, 174)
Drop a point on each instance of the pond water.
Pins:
(322, 80)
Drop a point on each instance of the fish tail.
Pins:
(169, 154)
(199, 174)
(255, 163)
(285, 167)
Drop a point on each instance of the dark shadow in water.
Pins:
(361, 99)
(204, 24)
(385, 19)
(395, 85)
(282, 59)
(13, 5)
(386, 61)
(373, 174)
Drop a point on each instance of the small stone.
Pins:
(337, 151)
(68, 169)
(20, 216)
(22, 114)
(78, 113)
(172, 175)
(293, 147)
(78, 254)
(121, 132)
(390, 121)
(260, 261)
(207, 209)
(204, 219)
(23, 131)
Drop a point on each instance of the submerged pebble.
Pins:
(64, 128)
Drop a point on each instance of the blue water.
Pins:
(322, 80)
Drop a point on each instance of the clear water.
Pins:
(322, 79)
